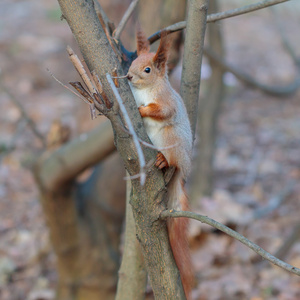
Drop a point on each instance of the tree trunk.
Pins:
(147, 201)
(86, 236)
(209, 106)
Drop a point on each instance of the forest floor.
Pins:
(257, 163)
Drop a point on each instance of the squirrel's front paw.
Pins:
(142, 110)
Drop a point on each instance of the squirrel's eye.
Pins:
(147, 70)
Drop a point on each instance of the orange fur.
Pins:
(161, 56)
(154, 111)
(167, 124)
(161, 161)
(142, 42)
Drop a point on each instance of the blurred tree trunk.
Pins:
(85, 222)
(209, 106)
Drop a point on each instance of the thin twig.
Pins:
(125, 18)
(81, 71)
(130, 129)
(266, 255)
(65, 86)
(218, 16)
(148, 166)
(152, 146)
(25, 116)
(100, 89)
(243, 10)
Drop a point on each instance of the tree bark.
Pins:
(209, 107)
(192, 57)
(132, 274)
(147, 201)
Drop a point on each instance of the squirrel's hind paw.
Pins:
(161, 161)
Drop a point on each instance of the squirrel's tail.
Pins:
(178, 230)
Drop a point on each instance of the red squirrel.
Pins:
(168, 127)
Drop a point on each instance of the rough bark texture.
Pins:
(209, 106)
(192, 57)
(147, 201)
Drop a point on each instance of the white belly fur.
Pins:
(152, 126)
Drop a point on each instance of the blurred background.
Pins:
(256, 164)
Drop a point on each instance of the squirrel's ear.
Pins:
(143, 45)
(161, 57)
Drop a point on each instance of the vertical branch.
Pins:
(209, 106)
(192, 58)
(132, 274)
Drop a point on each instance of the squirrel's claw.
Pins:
(161, 161)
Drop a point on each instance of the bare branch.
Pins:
(132, 274)
(269, 89)
(65, 86)
(24, 114)
(243, 10)
(130, 129)
(218, 16)
(81, 71)
(68, 161)
(125, 18)
(192, 58)
(266, 255)
(99, 87)
(285, 42)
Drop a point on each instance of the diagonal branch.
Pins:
(25, 115)
(269, 89)
(125, 19)
(266, 255)
(64, 164)
(135, 138)
(218, 16)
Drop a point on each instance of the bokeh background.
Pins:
(256, 165)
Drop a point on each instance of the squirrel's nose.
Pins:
(129, 77)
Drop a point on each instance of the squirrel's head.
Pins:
(148, 66)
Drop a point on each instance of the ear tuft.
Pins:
(143, 45)
(161, 57)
